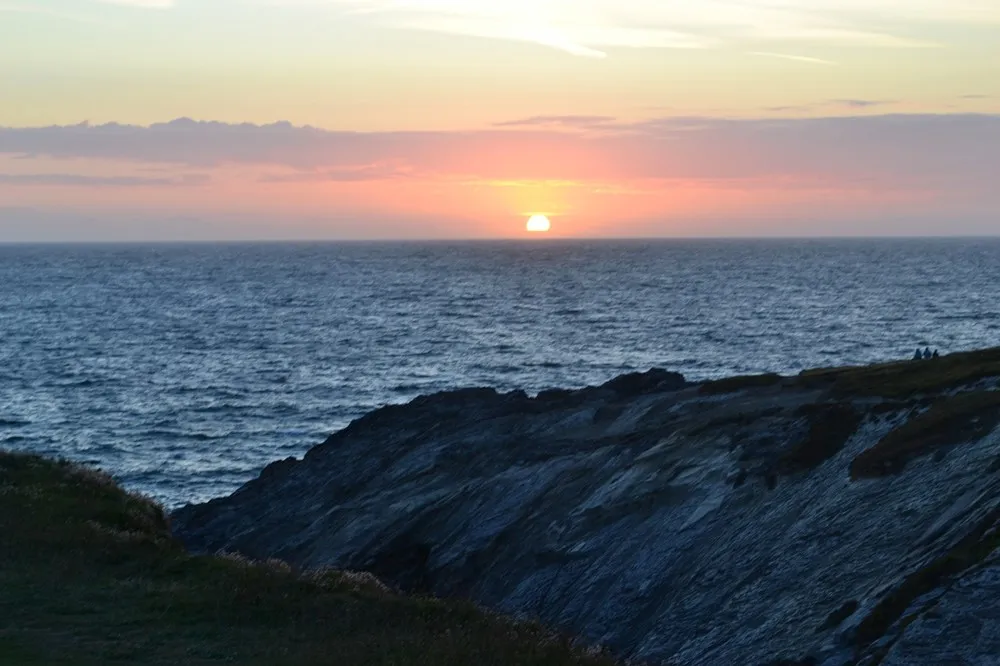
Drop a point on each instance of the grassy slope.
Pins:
(897, 379)
(904, 379)
(90, 575)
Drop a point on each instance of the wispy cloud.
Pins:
(861, 103)
(795, 58)
(353, 174)
(77, 180)
(830, 105)
(591, 27)
(576, 122)
(594, 28)
(572, 36)
(791, 108)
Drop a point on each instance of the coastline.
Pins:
(629, 513)
(636, 515)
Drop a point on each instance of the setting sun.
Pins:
(538, 223)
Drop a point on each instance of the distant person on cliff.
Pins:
(919, 356)
(935, 354)
(927, 354)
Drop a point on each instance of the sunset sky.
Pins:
(327, 119)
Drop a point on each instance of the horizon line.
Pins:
(499, 239)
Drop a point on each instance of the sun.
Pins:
(538, 224)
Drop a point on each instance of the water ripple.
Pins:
(186, 369)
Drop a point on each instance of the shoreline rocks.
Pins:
(676, 523)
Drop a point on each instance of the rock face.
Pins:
(676, 524)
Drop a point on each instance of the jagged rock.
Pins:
(637, 383)
(673, 524)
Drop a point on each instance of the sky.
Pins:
(384, 119)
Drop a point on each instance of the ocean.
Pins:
(185, 369)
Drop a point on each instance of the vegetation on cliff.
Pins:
(738, 383)
(905, 379)
(89, 574)
(950, 421)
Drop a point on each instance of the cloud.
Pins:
(791, 108)
(591, 27)
(975, 97)
(861, 103)
(829, 105)
(584, 122)
(953, 152)
(76, 180)
(796, 58)
(357, 174)
(581, 28)
(594, 28)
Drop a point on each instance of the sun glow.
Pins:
(538, 224)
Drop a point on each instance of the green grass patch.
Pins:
(739, 383)
(905, 379)
(89, 574)
(949, 421)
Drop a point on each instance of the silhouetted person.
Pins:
(927, 354)
(919, 356)
(935, 354)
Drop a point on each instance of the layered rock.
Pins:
(838, 517)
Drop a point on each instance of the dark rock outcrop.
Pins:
(638, 383)
(776, 520)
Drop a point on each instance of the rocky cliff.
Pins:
(842, 516)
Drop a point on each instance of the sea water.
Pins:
(184, 369)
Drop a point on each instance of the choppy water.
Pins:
(185, 369)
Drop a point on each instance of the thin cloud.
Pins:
(593, 27)
(861, 103)
(795, 58)
(976, 97)
(958, 151)
(357, 174)
(854, 104)
(791, 108)
(76, 180)
(579, 39)
(585, 122)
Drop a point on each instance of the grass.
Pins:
(89, 574)
(953, 420)
(739, 383)
(905, 379)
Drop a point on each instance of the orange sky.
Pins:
(594, 176)
(447, 119)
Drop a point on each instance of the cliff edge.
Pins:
(841, 516)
